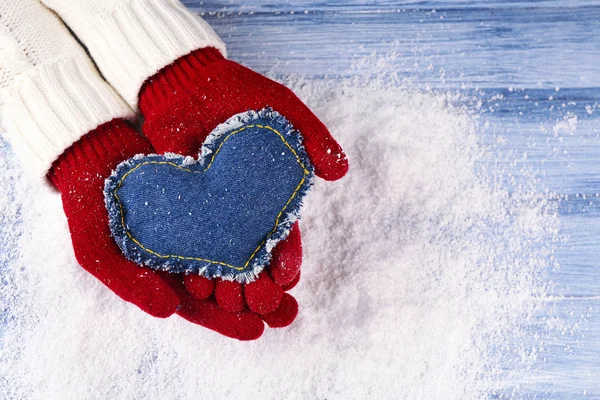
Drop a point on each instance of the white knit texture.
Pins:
(131, 40)
(50, 92)
(53, 106)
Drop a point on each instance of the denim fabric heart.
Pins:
(220, 215)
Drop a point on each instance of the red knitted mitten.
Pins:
(182, 104)
(79, 175)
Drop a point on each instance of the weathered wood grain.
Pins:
(355, 6)
(535, 47)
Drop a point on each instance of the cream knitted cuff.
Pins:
(141, 37)
(53, 105)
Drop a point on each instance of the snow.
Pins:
(421, 273)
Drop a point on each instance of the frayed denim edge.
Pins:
(133, 253)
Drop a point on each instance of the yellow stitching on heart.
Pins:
(306, 172)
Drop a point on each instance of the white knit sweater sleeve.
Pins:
(131, 40)
(50, 92)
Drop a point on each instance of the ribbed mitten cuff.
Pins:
(140, 38)
(55, 104)
(96, 155)
(179, 77)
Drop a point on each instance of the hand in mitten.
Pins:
(183, 103)
(79, 174)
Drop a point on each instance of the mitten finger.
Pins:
(243, 325)
(325, 153)
(287, 258)
(229, 295)
(263, 295)
(292, 284)
(284, 315)
(199, 286)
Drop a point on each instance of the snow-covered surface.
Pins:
(431, 270)
(417, 268)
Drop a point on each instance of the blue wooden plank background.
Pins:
(530, 63)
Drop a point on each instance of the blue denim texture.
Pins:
(220, 215)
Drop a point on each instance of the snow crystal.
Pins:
(418, 271)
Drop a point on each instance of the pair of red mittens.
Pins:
(181, 105)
